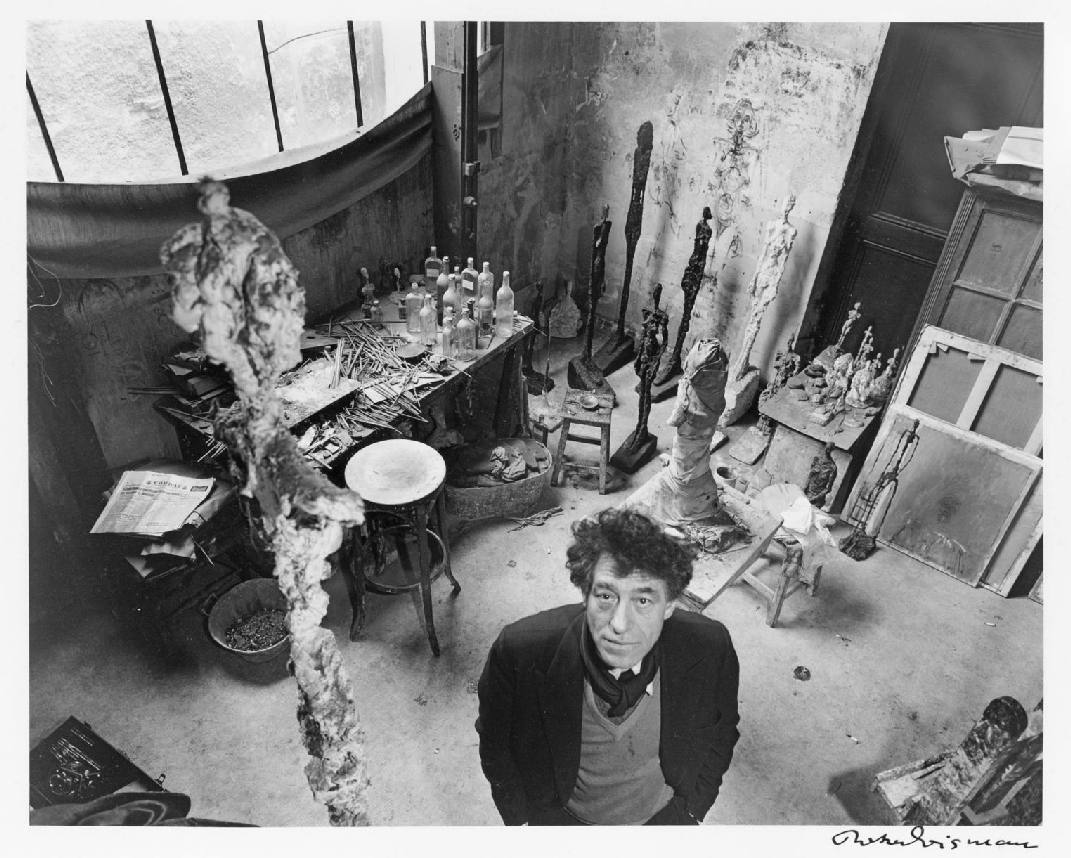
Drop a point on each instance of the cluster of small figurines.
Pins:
(839, 382)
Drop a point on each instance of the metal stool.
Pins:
(401, 482)
(586, 409)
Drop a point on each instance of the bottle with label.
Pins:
(432, 266)
(469, 276)
(441, 285)
(466, 336)
(485, 305)
(428, 327)
(504, 308)
(450, 334)
(413, 304)
(451, 297)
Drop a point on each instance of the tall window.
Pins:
(135, 101)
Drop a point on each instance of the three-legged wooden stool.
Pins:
(586, 409)
(402, 484)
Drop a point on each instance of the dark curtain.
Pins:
(110, 231)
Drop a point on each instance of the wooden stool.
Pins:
(792, 577)
(586, 409)
(401, 482)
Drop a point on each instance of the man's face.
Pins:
(625, 614)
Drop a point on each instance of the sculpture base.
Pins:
(633, 454)
(750, 446)
(584, 375)
(615, 353)
(538, 383)
(858, 545)
(739, 397)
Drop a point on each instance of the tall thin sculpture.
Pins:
(743, 377)
(690, 285)
(232, 282)
(641, 444)
(619, 349)
(583, 372)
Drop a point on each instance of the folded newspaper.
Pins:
(152, 503)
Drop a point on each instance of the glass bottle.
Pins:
(450, 334)
(466, 336)
(377, 313)
(432, 266)
(441, 285)
(504, 308)
(485, 306)
(469, 278)
(413, 304)
(452, 299)
(428, 328)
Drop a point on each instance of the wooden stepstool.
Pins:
(574, 410)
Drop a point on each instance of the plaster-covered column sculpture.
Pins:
(744, 378)
(232, 283)
(583, 374)
(684, 492)
(641, 444)
(619, 349)
(690, 285)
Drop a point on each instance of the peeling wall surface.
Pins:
(123, 328)
(743, 114)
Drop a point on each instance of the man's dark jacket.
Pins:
(531, 699)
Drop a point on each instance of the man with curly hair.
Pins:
(616, 711)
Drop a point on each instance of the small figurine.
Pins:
(853, 316)
(822, 476)
(861, 380)
(881, 387)
(865, 347)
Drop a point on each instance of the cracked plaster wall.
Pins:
(574, 96)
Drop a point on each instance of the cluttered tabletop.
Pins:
(363, 370)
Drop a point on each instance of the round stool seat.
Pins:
(395, 472)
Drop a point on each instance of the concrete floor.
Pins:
(903, 659)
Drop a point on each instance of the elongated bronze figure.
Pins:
(690, 284)
(619, 349)
(583, 374)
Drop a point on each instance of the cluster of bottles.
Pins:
(462, 303)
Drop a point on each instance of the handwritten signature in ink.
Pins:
(917, 837)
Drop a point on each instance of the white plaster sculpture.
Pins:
(684, 491)
(564, 320)
(744, 378)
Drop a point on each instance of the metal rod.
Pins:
(44, 128)
(271, 86)
(356, 76)
(424, 48)
(167, 98)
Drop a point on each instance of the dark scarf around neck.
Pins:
(624, 693)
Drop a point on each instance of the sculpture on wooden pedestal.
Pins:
(232, 282)
(619, 349)
(583, 374)
(744, 378)
(684, 492)
(641, 444)
(690, 284)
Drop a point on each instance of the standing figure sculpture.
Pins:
(619, 349)
(744, 378)
(583, 374)
(641, 444)
(536, 381)
(684, 492)
(690, 283)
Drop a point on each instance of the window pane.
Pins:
(215, 74)
(38, 164)
(99, 92)
(1012, 408)
(1032, 287)
(971, 314)
(1022, 334)
(945, 383)
(313, 80)
(404, 66)
(998, 252)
